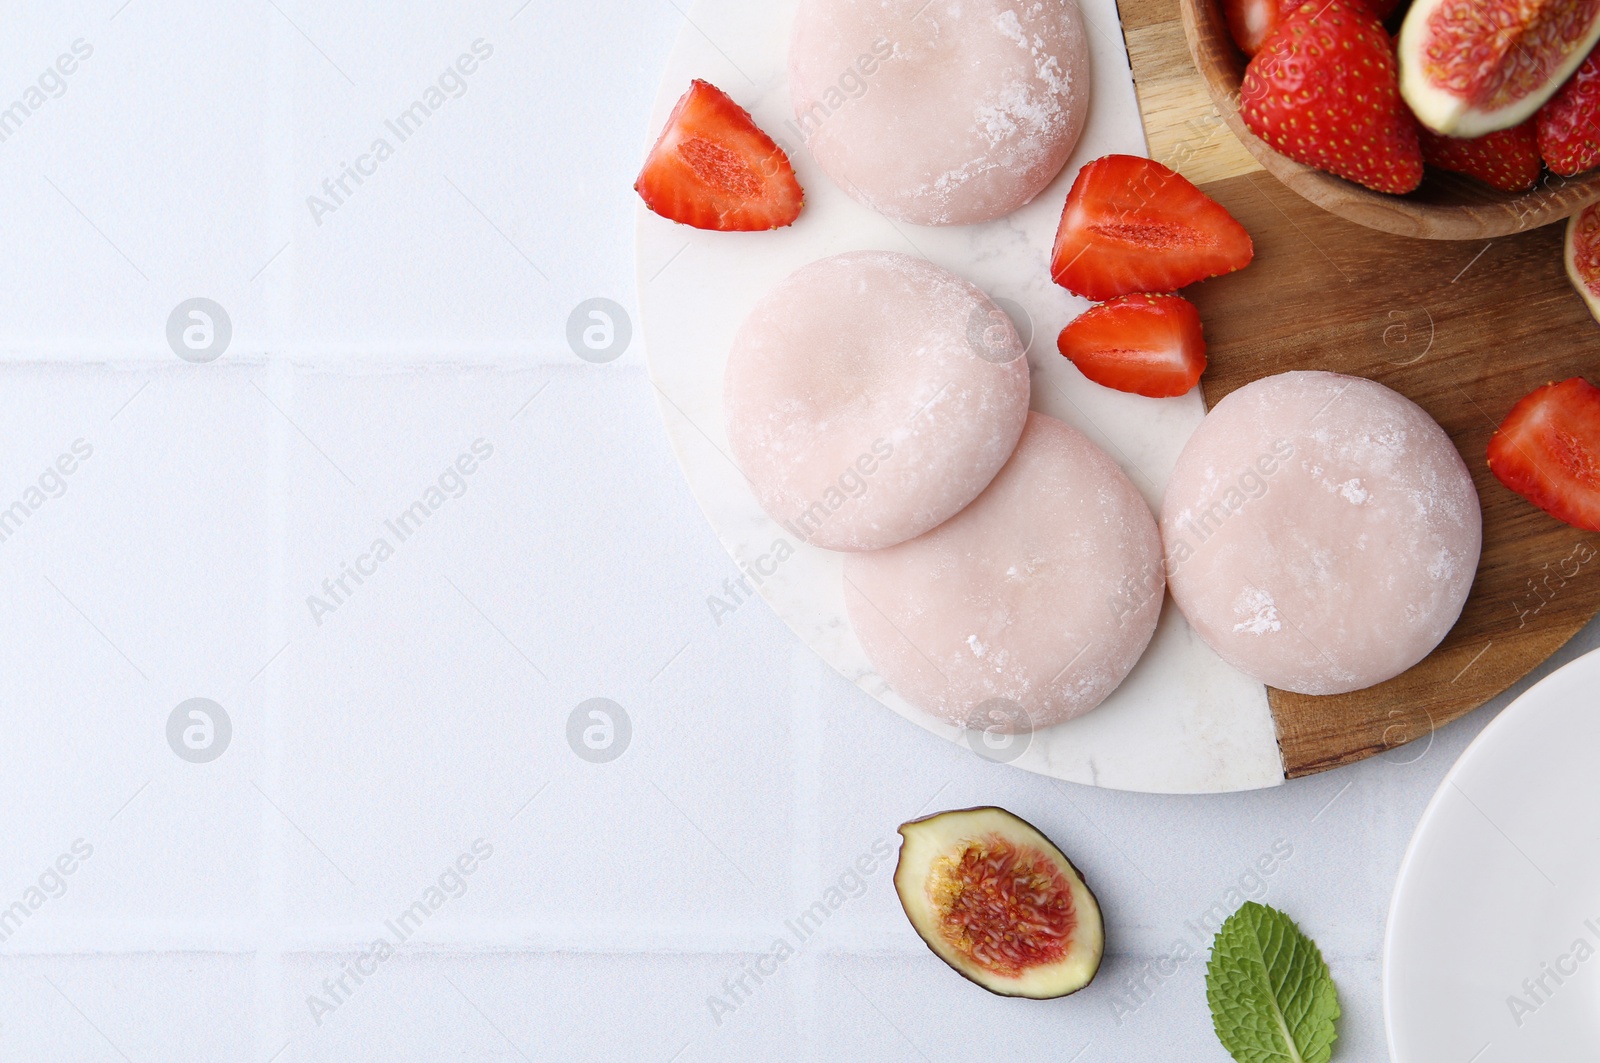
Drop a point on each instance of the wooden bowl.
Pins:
(1446, 207)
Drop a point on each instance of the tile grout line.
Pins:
(270, 1010)
(806, 705)
(271, 1016)
(518, 937)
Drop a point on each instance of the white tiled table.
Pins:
(429, 710)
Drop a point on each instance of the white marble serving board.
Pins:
(1184, 721)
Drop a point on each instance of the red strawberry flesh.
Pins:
(1133, 225)
(1548, 451)
(713, 168)
(1145, 344)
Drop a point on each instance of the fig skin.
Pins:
(910, 880)
(1577, 248)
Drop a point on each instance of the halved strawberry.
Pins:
(1325, 90)
(1548, 451)
(1507, 159)
(1147, 344)
(713, 168)
(1132, 225)
(1569, 122)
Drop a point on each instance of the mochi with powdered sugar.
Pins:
(1030, 606)
(870, 396)
(1321, 532)
(940, 112)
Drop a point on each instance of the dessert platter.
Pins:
(1004, 511)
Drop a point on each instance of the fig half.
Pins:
(1583, 256)
(1472, 67)
(997, 901)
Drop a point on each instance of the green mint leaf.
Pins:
(1272, 998)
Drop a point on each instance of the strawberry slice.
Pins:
(1325, 90)
(1132, 225)
(1147, 344)
(1548, 451)
(714, 168)
(1507, 159)
(1569, 122)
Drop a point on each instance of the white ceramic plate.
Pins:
(1183, 721)
(1492, 952)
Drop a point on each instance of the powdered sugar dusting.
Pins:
(1261, 615)
(1352, 491)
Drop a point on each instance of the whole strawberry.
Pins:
(1569, 122)
(1507, 159)
(1251, 22)
(1325, 90)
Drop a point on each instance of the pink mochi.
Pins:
(939, 112)
(870, 396)
(1321, 532)
(1027, 608)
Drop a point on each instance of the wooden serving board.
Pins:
(1462, 329)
